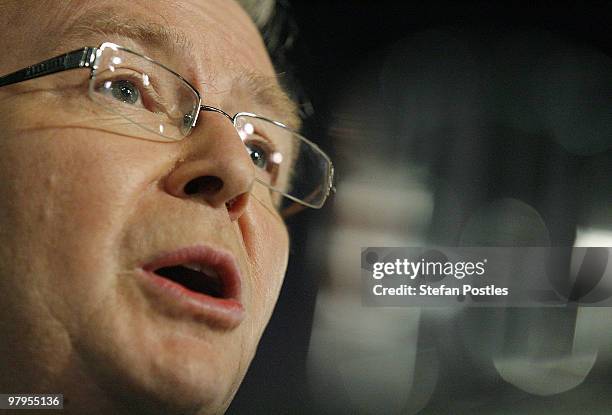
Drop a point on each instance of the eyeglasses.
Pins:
(162, 106)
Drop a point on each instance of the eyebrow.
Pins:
(265, 90)
(107, 22)
(269, 94)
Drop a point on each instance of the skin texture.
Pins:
(82, 209)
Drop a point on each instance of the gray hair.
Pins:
(261, 11)
(274, 20)
(275, 23)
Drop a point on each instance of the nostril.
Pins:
(204, 184)
(236, 206)
(230, 204)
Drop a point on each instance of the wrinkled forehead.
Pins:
(212, 43)
(211, 29)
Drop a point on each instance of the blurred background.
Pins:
(458, 124)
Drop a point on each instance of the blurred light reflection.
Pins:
(474, 138)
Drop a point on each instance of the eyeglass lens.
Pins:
(160, 106)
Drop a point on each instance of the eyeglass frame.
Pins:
(86, 58)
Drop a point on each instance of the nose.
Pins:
(215, 168)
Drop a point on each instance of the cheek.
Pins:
(64, 196)
(68, 187)
(267, 245)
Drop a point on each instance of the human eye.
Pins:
(125, 91)
(261, 152)
(131, 88)
(263, 139)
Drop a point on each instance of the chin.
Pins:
(178, 384)
(205, 392)
(153, 365)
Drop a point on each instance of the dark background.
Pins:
(337, 55)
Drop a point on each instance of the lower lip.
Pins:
(224, 313)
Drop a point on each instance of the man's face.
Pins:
(88, 216)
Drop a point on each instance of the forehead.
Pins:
(212, 29)
(212, 43)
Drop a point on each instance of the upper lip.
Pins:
(201, 257)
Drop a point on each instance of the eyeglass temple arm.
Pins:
(81, 58)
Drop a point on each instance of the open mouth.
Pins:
(200, 272)
(200, 281)
(195, 277)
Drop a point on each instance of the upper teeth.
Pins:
(201, 268)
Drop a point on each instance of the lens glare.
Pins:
(161, 106)
(285, 161)
(144, 92)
